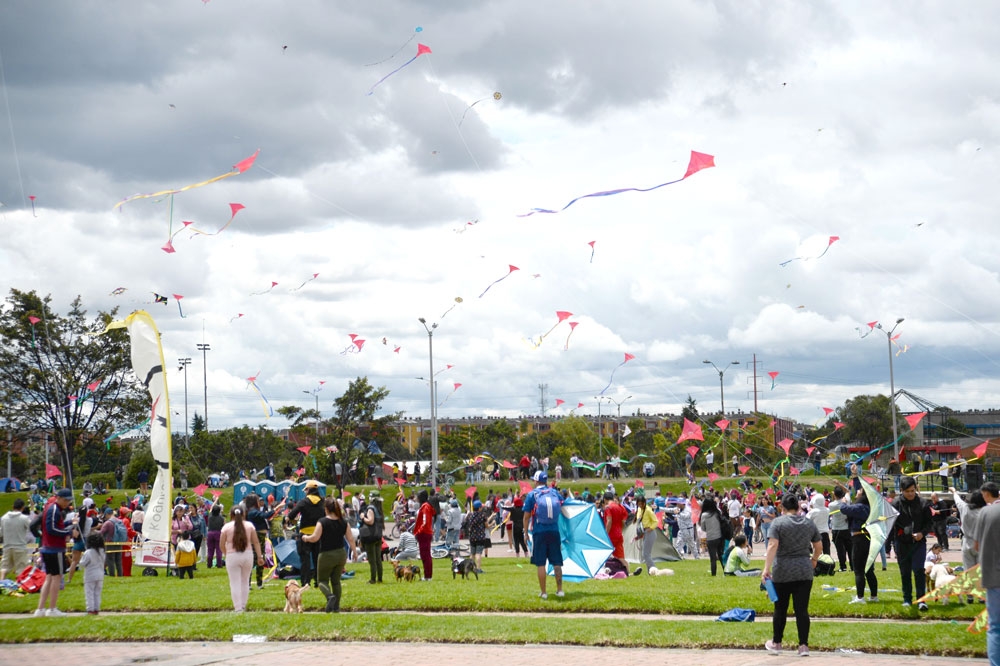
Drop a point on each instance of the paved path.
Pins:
(417, 654)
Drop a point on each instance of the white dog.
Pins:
(653, 571)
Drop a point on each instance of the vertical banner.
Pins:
(147, 363)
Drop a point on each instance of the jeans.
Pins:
(328, 569)
(798, 592)
(911, 561)
(993, 634)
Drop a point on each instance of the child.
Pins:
(933, 557)
(92, 563)
(749, 525)
(185, 556)
(738, 561)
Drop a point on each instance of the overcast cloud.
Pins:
(874, 123)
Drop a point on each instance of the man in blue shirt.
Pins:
(544, 505)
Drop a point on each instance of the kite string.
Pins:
(10, 124)
(458, 129)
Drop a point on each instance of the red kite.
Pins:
(690, 431)
(421, 49)
(511, 269)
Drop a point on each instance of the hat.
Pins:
(453, 502)
(108, 511)
(65, 493)
(477, 505)
(541, 477)
(373, 495)
(312, 483)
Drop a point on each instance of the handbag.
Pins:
(366, 532)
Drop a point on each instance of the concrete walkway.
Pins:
(417, 654)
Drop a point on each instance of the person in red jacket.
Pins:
(424, 531)
(615, 516)
(53, 550)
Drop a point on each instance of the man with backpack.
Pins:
(115, 536)
(543, 505)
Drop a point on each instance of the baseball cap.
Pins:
(541, 477)
(65, 493)
(373, 495)
(477, 505)
(312, 483)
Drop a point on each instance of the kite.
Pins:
(562, 316)
(467, 224)
(913, 419)
(268, 290)
(980, 450)
(32, 197)
(51, 471)
(495, 96)
(421, 49)
(449, 366)
(579, 405)
(238, 316)
(786, 445)
(691, 430)
(871, 327)
(416, 31)
(969, 584)
(628, 357)
(881, 517)
(238, 168)
(252, 381)
(585, 543)
(458, 299)
(809, 450)
(107, 440)
(830, 241)
(572, 327)
(118, 291)
(722, 424)
(234, 208)
(355, 346)
(304, 449)
(457, 386)
(315, 275)
(559, 402)
(592, 248)
(159, 299)
(511, 268)
(744, 469)
(773, 376)
(178, 297)
(693, 451)
(697, 162)
(33, 321)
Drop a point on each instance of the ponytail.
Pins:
(239, 529)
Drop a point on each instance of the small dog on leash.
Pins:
(464, 566)
(293, 596)
(409, 573)
(653, 571)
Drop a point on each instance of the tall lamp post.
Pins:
(722, 402)
(204, 348)
(892, 389)
(618, 423)
(434, 424)
(315, 394)
(184, 363)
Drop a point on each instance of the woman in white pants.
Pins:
(238, 543)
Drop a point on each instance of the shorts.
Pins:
(547, 546)
(479, 547)
(55, 563)
(79, 546)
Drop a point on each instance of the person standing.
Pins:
(686, 533)
(239, 545)
(53, 550)
(15, 528)
(475, 525)
(615, 516)
(710, 461)
(115, 536)
(308, 510)
(912, 527)
(517, 526)
(792, 552)
(839, 528)
(214, 523)
(711, 522)
(119, 476)
(260, 518)
(330, 533)
(820, 515)
(645, 520)
(92, 564)
(939, 518)
(423, 530)
(542, 508)
(857, 514)
(988, 542)
(373, 525)
(968, 515)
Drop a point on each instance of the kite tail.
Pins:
(183, 316)
(493, 283)
(377, 83)
(566, 346)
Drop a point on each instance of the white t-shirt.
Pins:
(734, 508)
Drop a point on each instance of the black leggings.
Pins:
(519, 544)
(860, 545)
(715, 551)
(798, 592)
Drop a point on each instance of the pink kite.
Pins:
(794, 471)
(722, 424)
(579, 405)
(457, 386)
(421, 49)
(32, 197)
(559, 402)
(913, 419)
(773, 376)
(837, 425)
(830, 241)
(744, 469)
(697, 162)
(628, 357)
(200, 489)
(216, 493)
(592, 248)
(639, 483)
(695, 509)
(827, 411)
(265, 291)
(786, 445)
(239, 315)
(511, 269)
(809, 450)
(470, 491)
(769, 491)
(871, 328)
(713, 477)
(747, 451)
(314, 276)
(690, 430)
(524, 487)
(572, 327)
(178, 297)
(693, 451)
(980, 450)
(34, 320)
(561, 316)
(773, 423)
(304, 449)
(51, 471)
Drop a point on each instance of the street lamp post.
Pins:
(892, 389)
(204, 348)
(434, 426)
(315, 394)
(184, 363)
(618, 423)
(722, 403)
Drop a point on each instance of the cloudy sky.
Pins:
(877, 124)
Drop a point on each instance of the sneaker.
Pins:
(54, 612)
(906, 604)
(803, 650)
(873, 600)
(560, 593)
(857, 600)
(922, 606)
(772, 647)
(39, 612)
(543, 596)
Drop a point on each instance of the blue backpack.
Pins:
(121, 532)
(548, 506)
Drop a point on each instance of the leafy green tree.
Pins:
(48, 360)
(690, 410)
(197, 423)
(950, 428)
(869, 420)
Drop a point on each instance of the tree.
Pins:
(197, 423)
(869, 420)
(59, 373)
(690, 410)
(576, 434)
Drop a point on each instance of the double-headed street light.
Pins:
(892, 389)
(434, 427)
(722, 400)
(618, 423)
(315, 394)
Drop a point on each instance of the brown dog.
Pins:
(293, 596)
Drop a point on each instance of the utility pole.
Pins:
(184, 363)
(204, 348)
(754, 373)
(542, 388)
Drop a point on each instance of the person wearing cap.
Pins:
(546, 545)
(113, 550)
(476, 524)
(911, 529)
(423, 530)
(308, 510)
(373, 516)
(53, 551)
